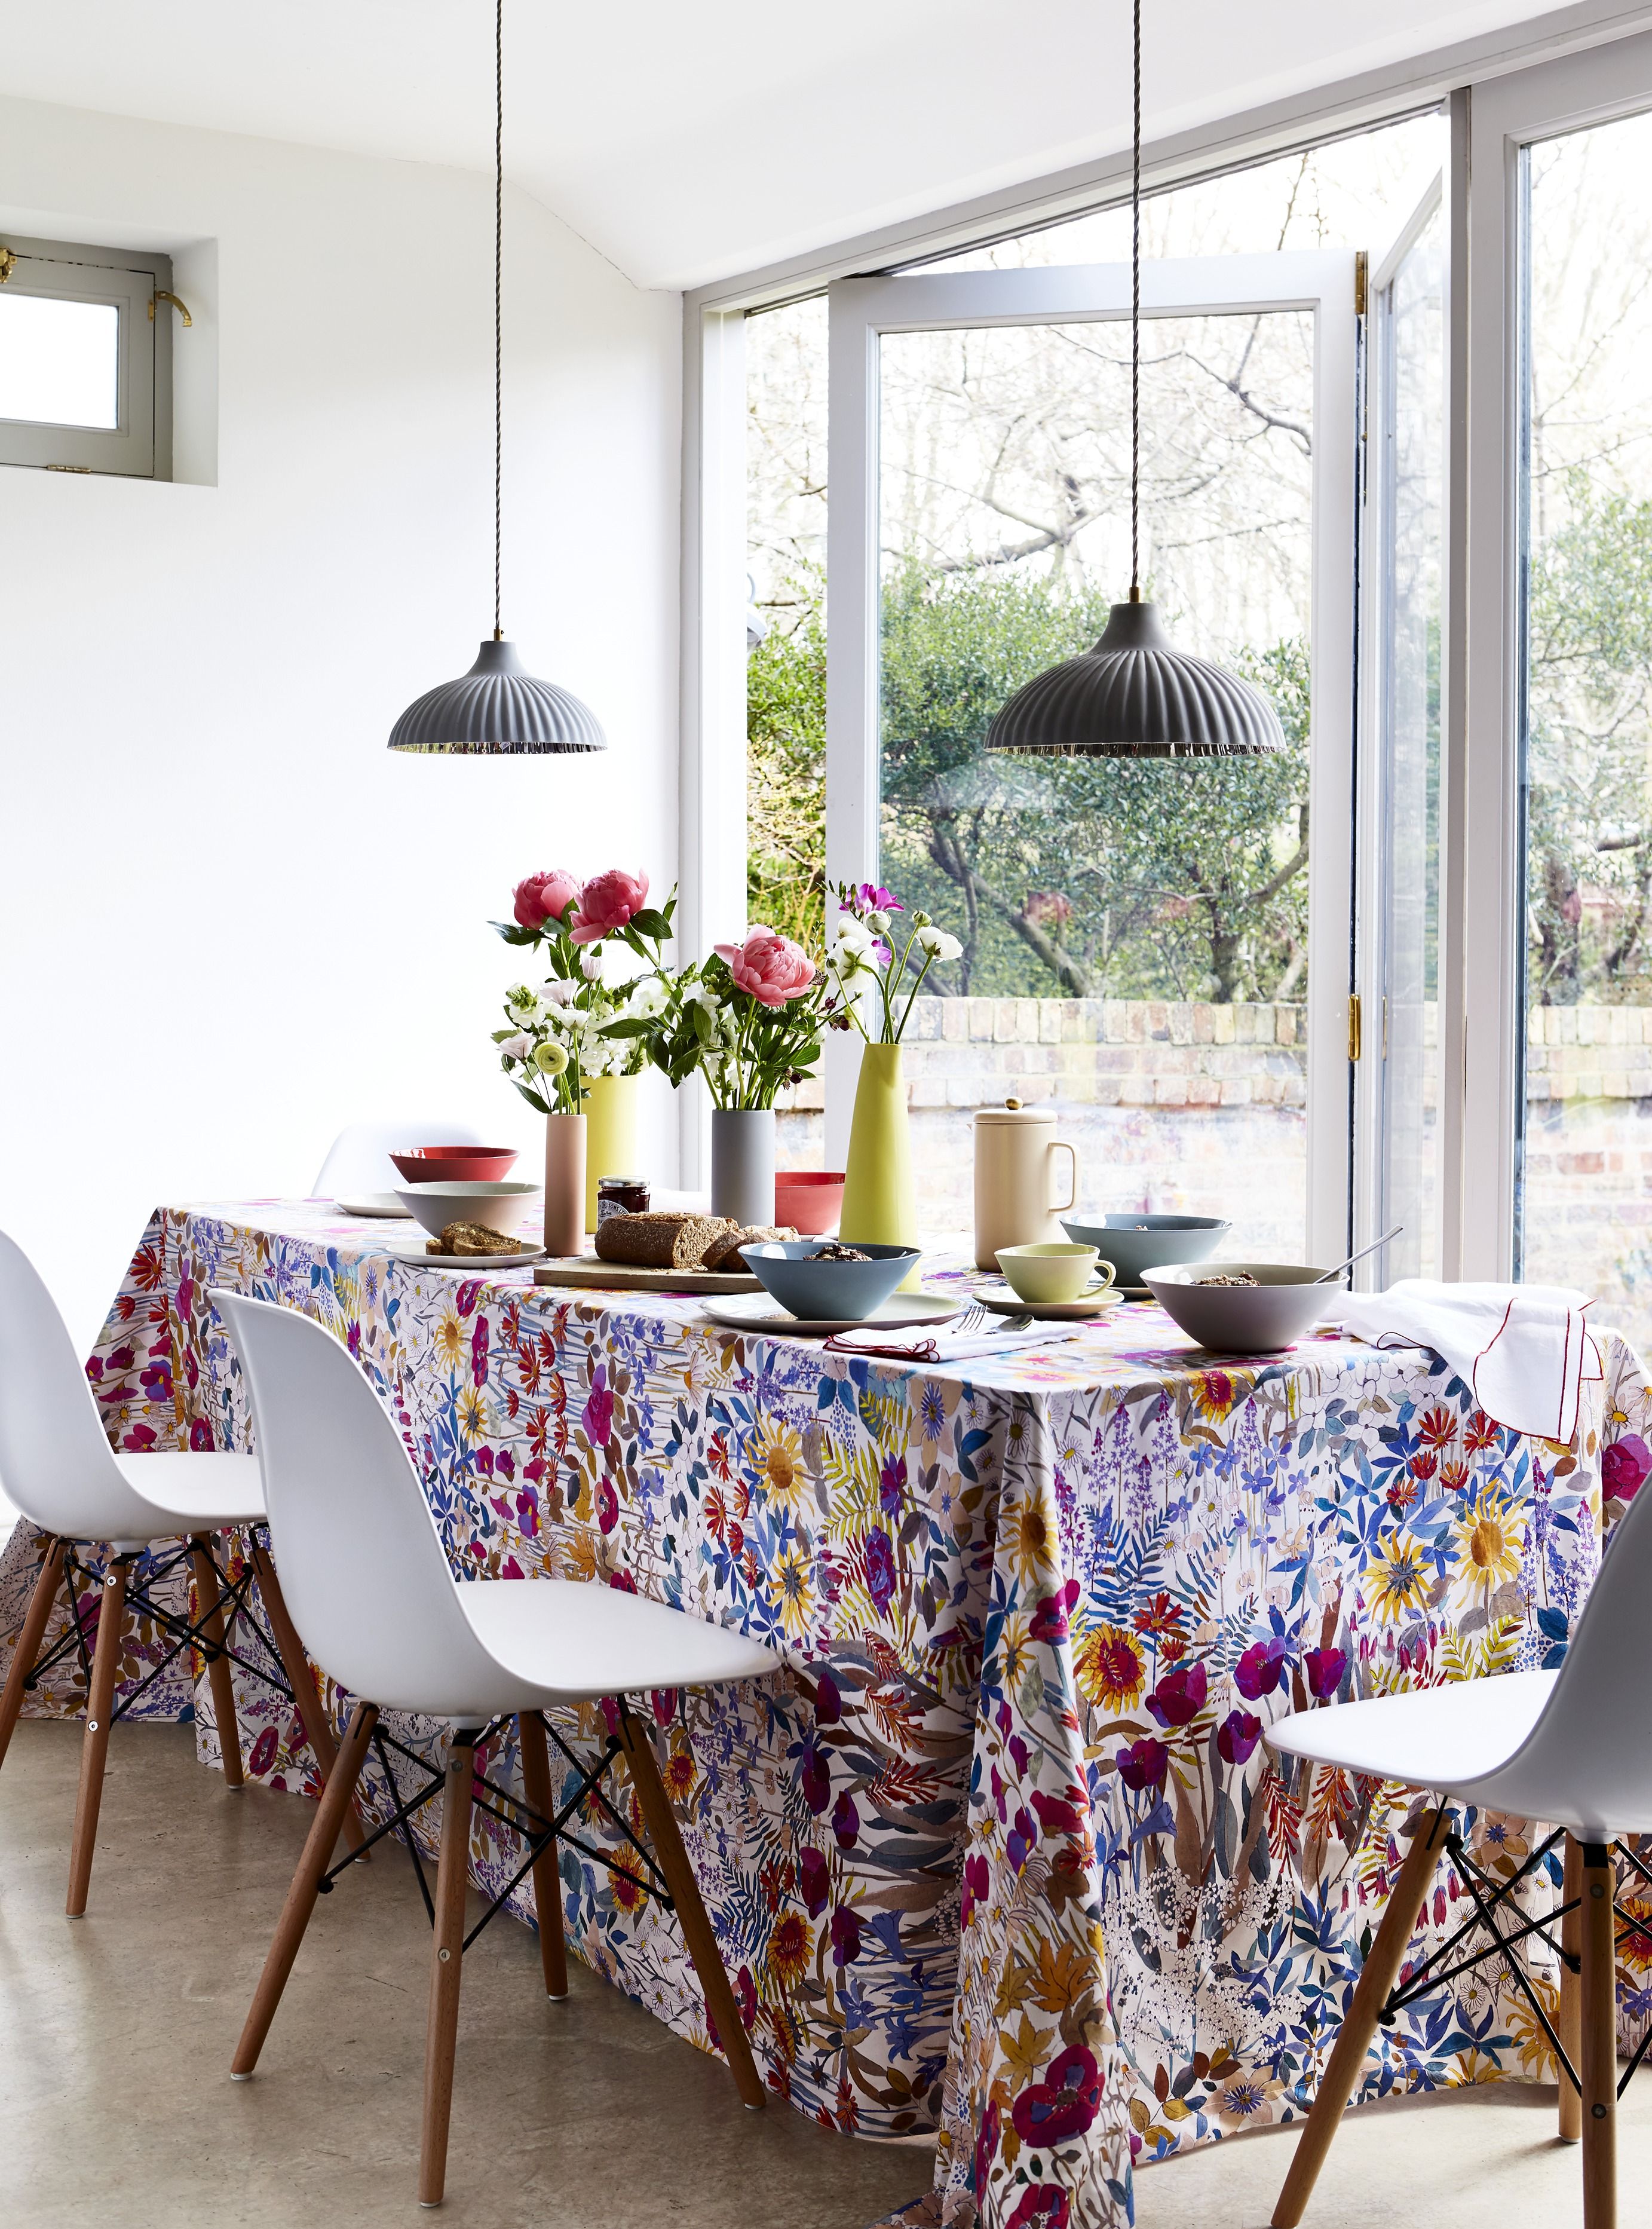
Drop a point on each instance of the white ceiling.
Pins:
(691, 140)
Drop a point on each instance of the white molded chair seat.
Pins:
(567, 1641)
(358, 1160)
(1442, 1738)
(204, 1492)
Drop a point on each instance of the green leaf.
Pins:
(650, 922)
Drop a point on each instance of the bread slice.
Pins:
(663, 1239)
(463, 1238)
(724, 1253)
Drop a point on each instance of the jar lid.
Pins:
(622, 1180)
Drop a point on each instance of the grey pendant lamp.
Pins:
(496, 710)
(1134, 695)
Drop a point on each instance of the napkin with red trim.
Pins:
(1524, 1351)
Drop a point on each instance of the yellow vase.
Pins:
(879, 1203)
(610, 1134)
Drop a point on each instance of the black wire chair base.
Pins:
(1490, 1895)
(232, 1602)
(535, 1831)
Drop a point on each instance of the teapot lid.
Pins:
(1012, 1111)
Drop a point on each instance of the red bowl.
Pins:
(456, 1164)
(812, 1200)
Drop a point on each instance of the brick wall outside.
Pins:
(1200, 1107)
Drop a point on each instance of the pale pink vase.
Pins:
(564, 1184)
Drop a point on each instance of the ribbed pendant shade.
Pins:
(1134, 695)
(496, 710)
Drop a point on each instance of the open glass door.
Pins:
(1399, 1107)
(1161, 948)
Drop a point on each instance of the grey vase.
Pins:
(742, 1165)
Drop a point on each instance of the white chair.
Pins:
(358, 1161)
(1573, 1748)
(372, 1591)
(57, 1466)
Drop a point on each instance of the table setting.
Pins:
(1002, 1854)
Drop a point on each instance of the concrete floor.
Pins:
(116, 2030)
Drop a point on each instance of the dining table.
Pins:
(1001, 1854)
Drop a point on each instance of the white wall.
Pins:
(230, 919)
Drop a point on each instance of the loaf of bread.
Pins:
(472, 1238)
(663, 1239)
(724, 1253)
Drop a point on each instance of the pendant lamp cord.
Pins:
(1135, 324)
(498, 288)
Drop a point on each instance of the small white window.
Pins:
(86, 358)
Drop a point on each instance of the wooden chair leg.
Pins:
(548, 1884)
(1569, 2021)
(447, 1954)
(94, 1746)
(1599, 2022)
(691, 1912)
(1377, 1978)
(210, 1597)
(301, 1896)
(33, 1632)
(306, 1697)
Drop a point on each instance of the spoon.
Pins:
(1361, 1255)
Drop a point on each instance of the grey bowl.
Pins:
(1257, 1318)
(1134, 1243)
(813, 1290)
(500, 1207)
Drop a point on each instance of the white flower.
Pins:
(521, 1004)
(562, 991)
(647, 999)
(938, 944)
(591, 962)
(877, 924)
(702, 995)
(517, 1048)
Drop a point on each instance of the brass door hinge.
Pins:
(8, 264)
(162, 294)
(1354, 1026)
(1362, 280)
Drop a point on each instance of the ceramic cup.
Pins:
(1051, 1271)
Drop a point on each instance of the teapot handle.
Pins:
(1067, 1206)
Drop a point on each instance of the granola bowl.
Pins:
(1240, 1308)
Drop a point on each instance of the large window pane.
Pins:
(1134, 935)
(1584, 1201)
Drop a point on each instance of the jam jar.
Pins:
(621, 1196)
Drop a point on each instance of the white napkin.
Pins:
(936, 1347)
(1524, 1350)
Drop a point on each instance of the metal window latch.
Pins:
(1362, 282)
(1354, 1026)
(163, 294)
(8, 264)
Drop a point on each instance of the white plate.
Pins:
(465, 1262)
(375, 1203)
(761, 1311)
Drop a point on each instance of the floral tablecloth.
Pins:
(1002, 1854)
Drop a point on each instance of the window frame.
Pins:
(139, 446)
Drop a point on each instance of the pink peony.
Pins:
(608, 901)
(544, 897)
(772, 968)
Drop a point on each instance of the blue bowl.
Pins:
(1136, 1243)
(817, 1291)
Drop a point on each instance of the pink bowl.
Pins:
(812, 1200)
(456, 1164)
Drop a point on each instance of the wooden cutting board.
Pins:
(620, 1277)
